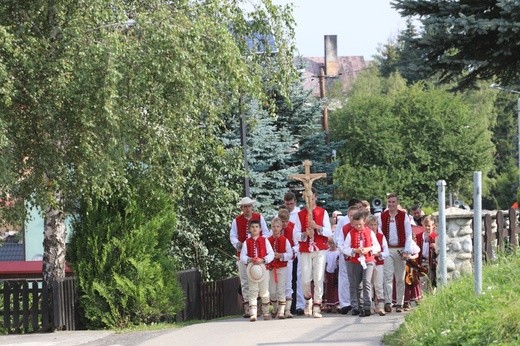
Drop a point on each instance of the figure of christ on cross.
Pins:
(311, 229)
(307, 179)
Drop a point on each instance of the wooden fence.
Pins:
(25, 308)
(208, 300)
(504, 238)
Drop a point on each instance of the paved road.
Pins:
(332, 329)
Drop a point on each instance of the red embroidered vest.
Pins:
(256, 248)
(356, 237)
(243, 226)
(379, 237)
(399, 223)
(278, 245)
(317, 215)
(288, 233)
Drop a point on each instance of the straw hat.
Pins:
(256, 272)
(245, 201)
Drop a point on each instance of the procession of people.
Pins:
(361, 263)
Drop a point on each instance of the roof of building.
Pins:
(11, 252)
(349, 68)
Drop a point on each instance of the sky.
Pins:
(360, 25)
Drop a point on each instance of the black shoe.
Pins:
(345, 309)
(398, 308)
(355, 312)
(299, 312)
(365, 313)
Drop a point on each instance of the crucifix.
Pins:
(307, 179)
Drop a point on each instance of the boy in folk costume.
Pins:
(278, 268)
(312, 232)
(378, 274)
(359, 246)
(257, 251)
(288, 232)
(238, 235)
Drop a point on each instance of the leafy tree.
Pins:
(91, 88)
(466, 41)
(404, 139)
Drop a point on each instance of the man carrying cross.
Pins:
(312, 229)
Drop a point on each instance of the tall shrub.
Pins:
(119, 253)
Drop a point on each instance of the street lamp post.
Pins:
(496, 86)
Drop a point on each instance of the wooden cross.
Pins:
(307, 179)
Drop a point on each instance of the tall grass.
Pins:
(456, 315)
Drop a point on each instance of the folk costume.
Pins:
(378, 274)
(237, 236)
(343, 284)
(330, 290)
(312, 257)
(398, 233)
(361, 267)
(261, 248)
(288, 233)
(278, 274)
(428, 259)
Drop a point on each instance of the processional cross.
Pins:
(307, 179)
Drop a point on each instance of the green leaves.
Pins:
(407, 141)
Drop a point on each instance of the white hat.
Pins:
(256, 272)
(246, 201)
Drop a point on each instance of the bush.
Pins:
(119, 253)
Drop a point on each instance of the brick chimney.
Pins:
(331, 55)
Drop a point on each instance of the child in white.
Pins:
(278, 268)
(257, 250)
(377, 275)
(330, 292)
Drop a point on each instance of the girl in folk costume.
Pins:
(287, 232)
(278, 268)
(359, 246)
(428, 255)
(378, 274)
(330, 294)
(257, 251)
(312, 229)
(412, 289)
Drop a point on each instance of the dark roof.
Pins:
(11, 252)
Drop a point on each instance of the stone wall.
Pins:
(459, 241)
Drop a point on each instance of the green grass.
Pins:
(456, 315)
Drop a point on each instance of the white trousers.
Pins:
(288, 280)
(259, 289)
(244, 281)
(300, 299)
(343, 283)
(313, 268)
(377, 281)
(394, 267)
(277, 290)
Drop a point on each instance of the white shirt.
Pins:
(393, 240)
(233, 233)
(342, 220)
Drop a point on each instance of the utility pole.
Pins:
(325, 111)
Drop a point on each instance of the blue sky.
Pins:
(361, 25)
